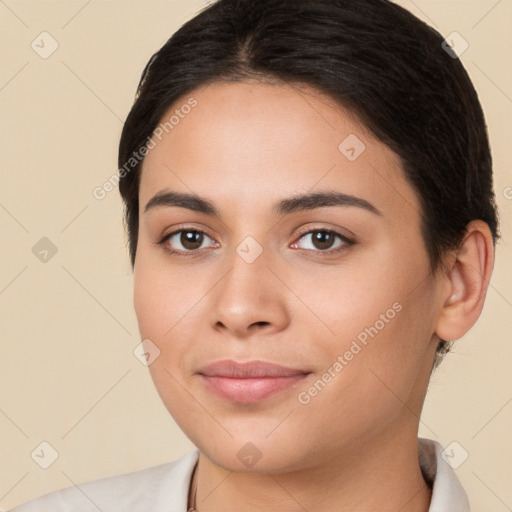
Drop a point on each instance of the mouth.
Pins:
(249, 382)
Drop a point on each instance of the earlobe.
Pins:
(467, 281)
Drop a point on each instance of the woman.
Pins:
(311, 222)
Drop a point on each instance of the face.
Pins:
(305, 252)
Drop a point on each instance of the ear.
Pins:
(467, 279)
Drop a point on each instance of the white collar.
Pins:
(447, 492)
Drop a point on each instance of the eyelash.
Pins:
(347, 242)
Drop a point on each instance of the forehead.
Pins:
(252, 141)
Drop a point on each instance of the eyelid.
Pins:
(334, 230)
(186, 227)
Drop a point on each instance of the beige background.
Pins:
(68, 375)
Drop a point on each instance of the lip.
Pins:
(249, 382)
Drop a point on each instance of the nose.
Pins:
(249, 299)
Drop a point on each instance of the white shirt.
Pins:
(164, 488)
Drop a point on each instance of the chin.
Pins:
(246, 453)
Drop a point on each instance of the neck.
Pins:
(383, 475)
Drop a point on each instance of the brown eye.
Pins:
(323, 240)
(191, 240)
(187, 240)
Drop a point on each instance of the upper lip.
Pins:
(246, 370)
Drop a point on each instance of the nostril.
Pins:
(261, 323)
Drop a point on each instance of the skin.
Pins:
(244, 147)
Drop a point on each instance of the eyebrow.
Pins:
(307, 201)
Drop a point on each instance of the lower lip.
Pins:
(248, 391)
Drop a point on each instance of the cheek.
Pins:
(151, 302)
(161, 298)
(368, 383)
(379, 336)
(344, 303)
(170, 312)
(164, 306)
